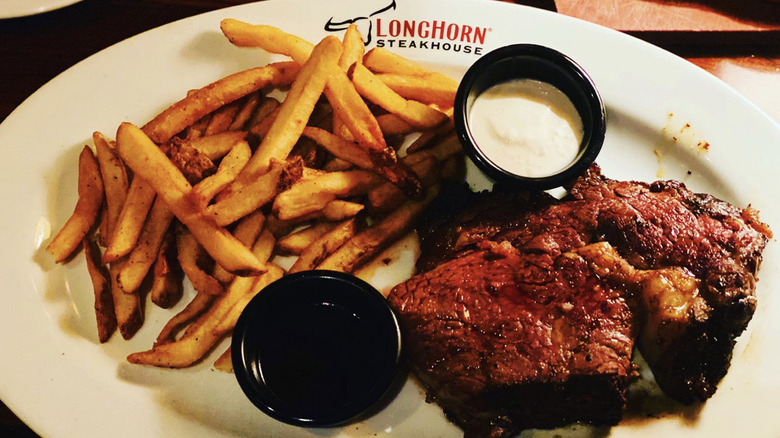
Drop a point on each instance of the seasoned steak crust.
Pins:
(671, 246)
(664, 224)
(496, 328)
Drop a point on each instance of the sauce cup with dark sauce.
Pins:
(317, 349)
(543, 64)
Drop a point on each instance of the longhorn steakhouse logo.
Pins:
(413, 34)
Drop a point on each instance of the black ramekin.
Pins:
(279, 308)
(530, 61)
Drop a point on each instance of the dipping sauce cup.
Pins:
(518, 68)
(316, 349)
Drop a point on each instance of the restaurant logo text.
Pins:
(442, 35)
(431, 35)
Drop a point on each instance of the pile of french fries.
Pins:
(223, 181)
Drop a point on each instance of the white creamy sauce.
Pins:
(527, 127)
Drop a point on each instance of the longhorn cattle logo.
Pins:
(363, 21)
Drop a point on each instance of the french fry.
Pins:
(353, 112)
(392, 125)
(401, 176)
(222, 117)
(139, 200)
(384, 198)
(90, 199)
(306, 148)
(246, 231)
(381, 60)
(336, 164)
(224, 362)
(368, 243)
(339, 147)
(207, 99)
(228, 169)
(218, 145)
(428, 89)
(347, 104)
(263, 247)
(280, 228)
(431, 136)
(321, 115)
(387, 196)
(115, 182)
(150, 163)
(245, 111)
(448, 147)
(198, 127)
(166, 289)
(265, 108)
(307, 173)
(415, 113)
(188, 254)
(296, 108)
(261, 128)
(315, 253)
(354, 48)
(294, 243)
(339, 209)
(196, 307)
(128, 307)
(249, 228)
(102, 225)
(101, 285)
(334, 211)
(271, 39)
(248, 198)
(140, 260)
(313, 194)
(341, 129)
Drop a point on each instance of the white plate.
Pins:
(58, 379)
(21, 8)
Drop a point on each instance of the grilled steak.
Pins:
(664, 224)
(681, 265)
(507, 340)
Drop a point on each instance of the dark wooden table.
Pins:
(741, 45)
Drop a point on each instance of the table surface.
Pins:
(739, 44)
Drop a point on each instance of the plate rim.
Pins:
(27, 8)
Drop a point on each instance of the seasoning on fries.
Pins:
(217, 185)
(90, 188)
